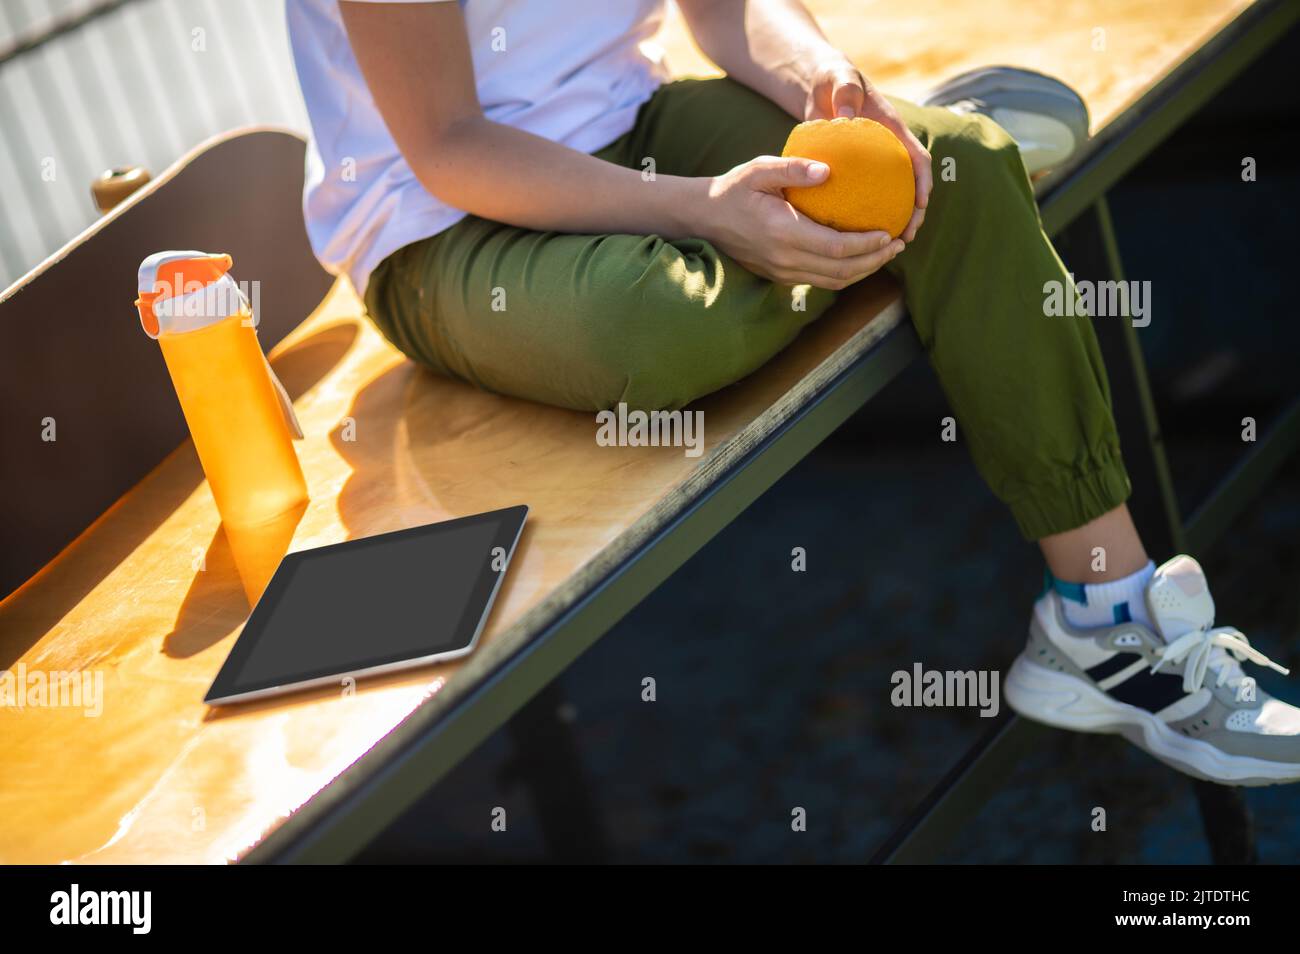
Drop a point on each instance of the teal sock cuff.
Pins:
(1069, 591)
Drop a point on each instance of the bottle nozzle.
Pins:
(166, 277)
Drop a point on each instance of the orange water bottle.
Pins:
(239, 415)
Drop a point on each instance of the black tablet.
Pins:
(370, 606)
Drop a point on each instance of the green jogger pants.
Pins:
(589, 321)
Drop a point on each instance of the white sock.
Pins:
(1092, 605)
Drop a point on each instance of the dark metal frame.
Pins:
(341, 819)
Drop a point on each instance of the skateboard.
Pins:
(89, 409)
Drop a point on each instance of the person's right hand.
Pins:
(747, 217)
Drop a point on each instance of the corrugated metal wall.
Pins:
(86, 85)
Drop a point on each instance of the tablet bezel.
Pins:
(224, 690)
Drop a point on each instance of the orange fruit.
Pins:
(871, 185)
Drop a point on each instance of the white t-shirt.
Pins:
(573, 74)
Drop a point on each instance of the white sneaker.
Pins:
(1178, 692)
(1047, 119)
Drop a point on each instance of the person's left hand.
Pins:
(838, 88)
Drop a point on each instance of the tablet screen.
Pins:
(371, 604)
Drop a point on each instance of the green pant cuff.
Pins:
(1073, 501)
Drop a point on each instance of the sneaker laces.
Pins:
(1210, 649)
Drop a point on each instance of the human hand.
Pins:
(837, 88)
(746, 216)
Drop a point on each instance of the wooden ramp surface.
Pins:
(158, 776)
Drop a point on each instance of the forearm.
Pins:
(772, 46)
(501, 173)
